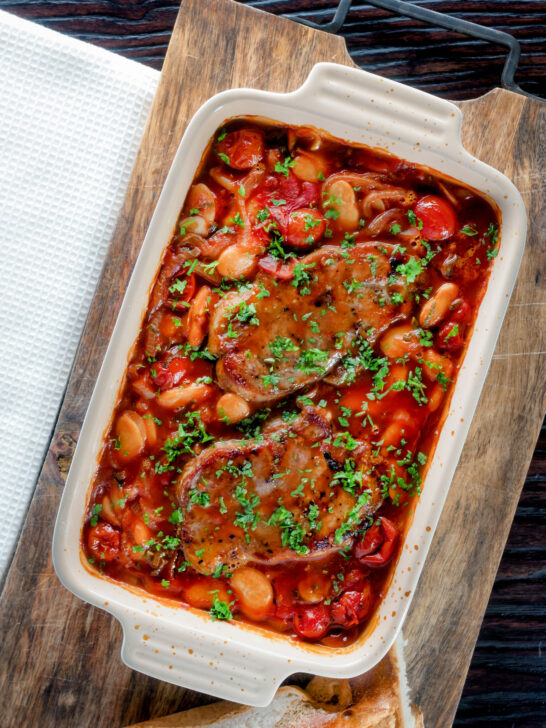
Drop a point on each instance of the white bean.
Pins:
(314, 587)
(340, 197)
(232, 407)
(201, 198)
(436, 364)
(237, 262)
(436, 308)
(309, 167)
(131, 434)
(399, 341)
(254, 591)
(194, 224)
(180, 397)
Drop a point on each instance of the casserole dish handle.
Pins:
(381, 106)
(203, 662)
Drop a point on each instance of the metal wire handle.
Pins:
(432, 17)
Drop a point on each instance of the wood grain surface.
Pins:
(60, 658)
(436, 60)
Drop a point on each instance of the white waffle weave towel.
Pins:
(71, 119)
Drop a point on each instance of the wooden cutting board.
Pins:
(60, 665)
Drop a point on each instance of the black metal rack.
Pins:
(431, 17)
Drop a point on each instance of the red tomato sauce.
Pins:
(265, 198)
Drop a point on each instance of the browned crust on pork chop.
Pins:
(275, 499)
(274, 337)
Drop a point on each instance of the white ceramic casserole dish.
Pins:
(233, 660)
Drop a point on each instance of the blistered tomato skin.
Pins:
(438, 217)
(352, 607)
(377, 548)
(243, 149)
(305, 228)
(104, 541)
(313, 622)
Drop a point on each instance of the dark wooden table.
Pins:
(505, 685)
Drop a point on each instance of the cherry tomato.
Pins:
(271, 265)
(284, 588)
(294, 193)
(104, 541)
(372, 540)
(243, 148)
(450, 336)
(298, 194)
(177, 300)
(462, 313)
(170, 375)
(439, 218)
(305, 227)
(313, 622)
(354, 579)
(377, 549)
(352, 607)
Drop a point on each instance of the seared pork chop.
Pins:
(295, 494)
(274, 337)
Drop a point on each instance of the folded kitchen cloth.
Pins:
(71, 119)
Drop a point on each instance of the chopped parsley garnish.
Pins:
(415, 385)
(199, 497)
(246, 519)
(271, 380)
(292, 534)
(301, 278)
(310, 222)
(425, 337)
(252, 425)
(283, 167)
(469, 230)
(176, 517)
(353, 518)
(281, 344)
(178, 286)
(220, 609)
(492, 233)
(312, 515)
(311, 360)
(289, 416)
(349, 478)
(453, 332)
(414, 220)
(410, 270)
(95, 511)
(223, 157)
(190, 432)
(247, 314)
(238, 220)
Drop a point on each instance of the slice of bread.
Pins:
(377, 699)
